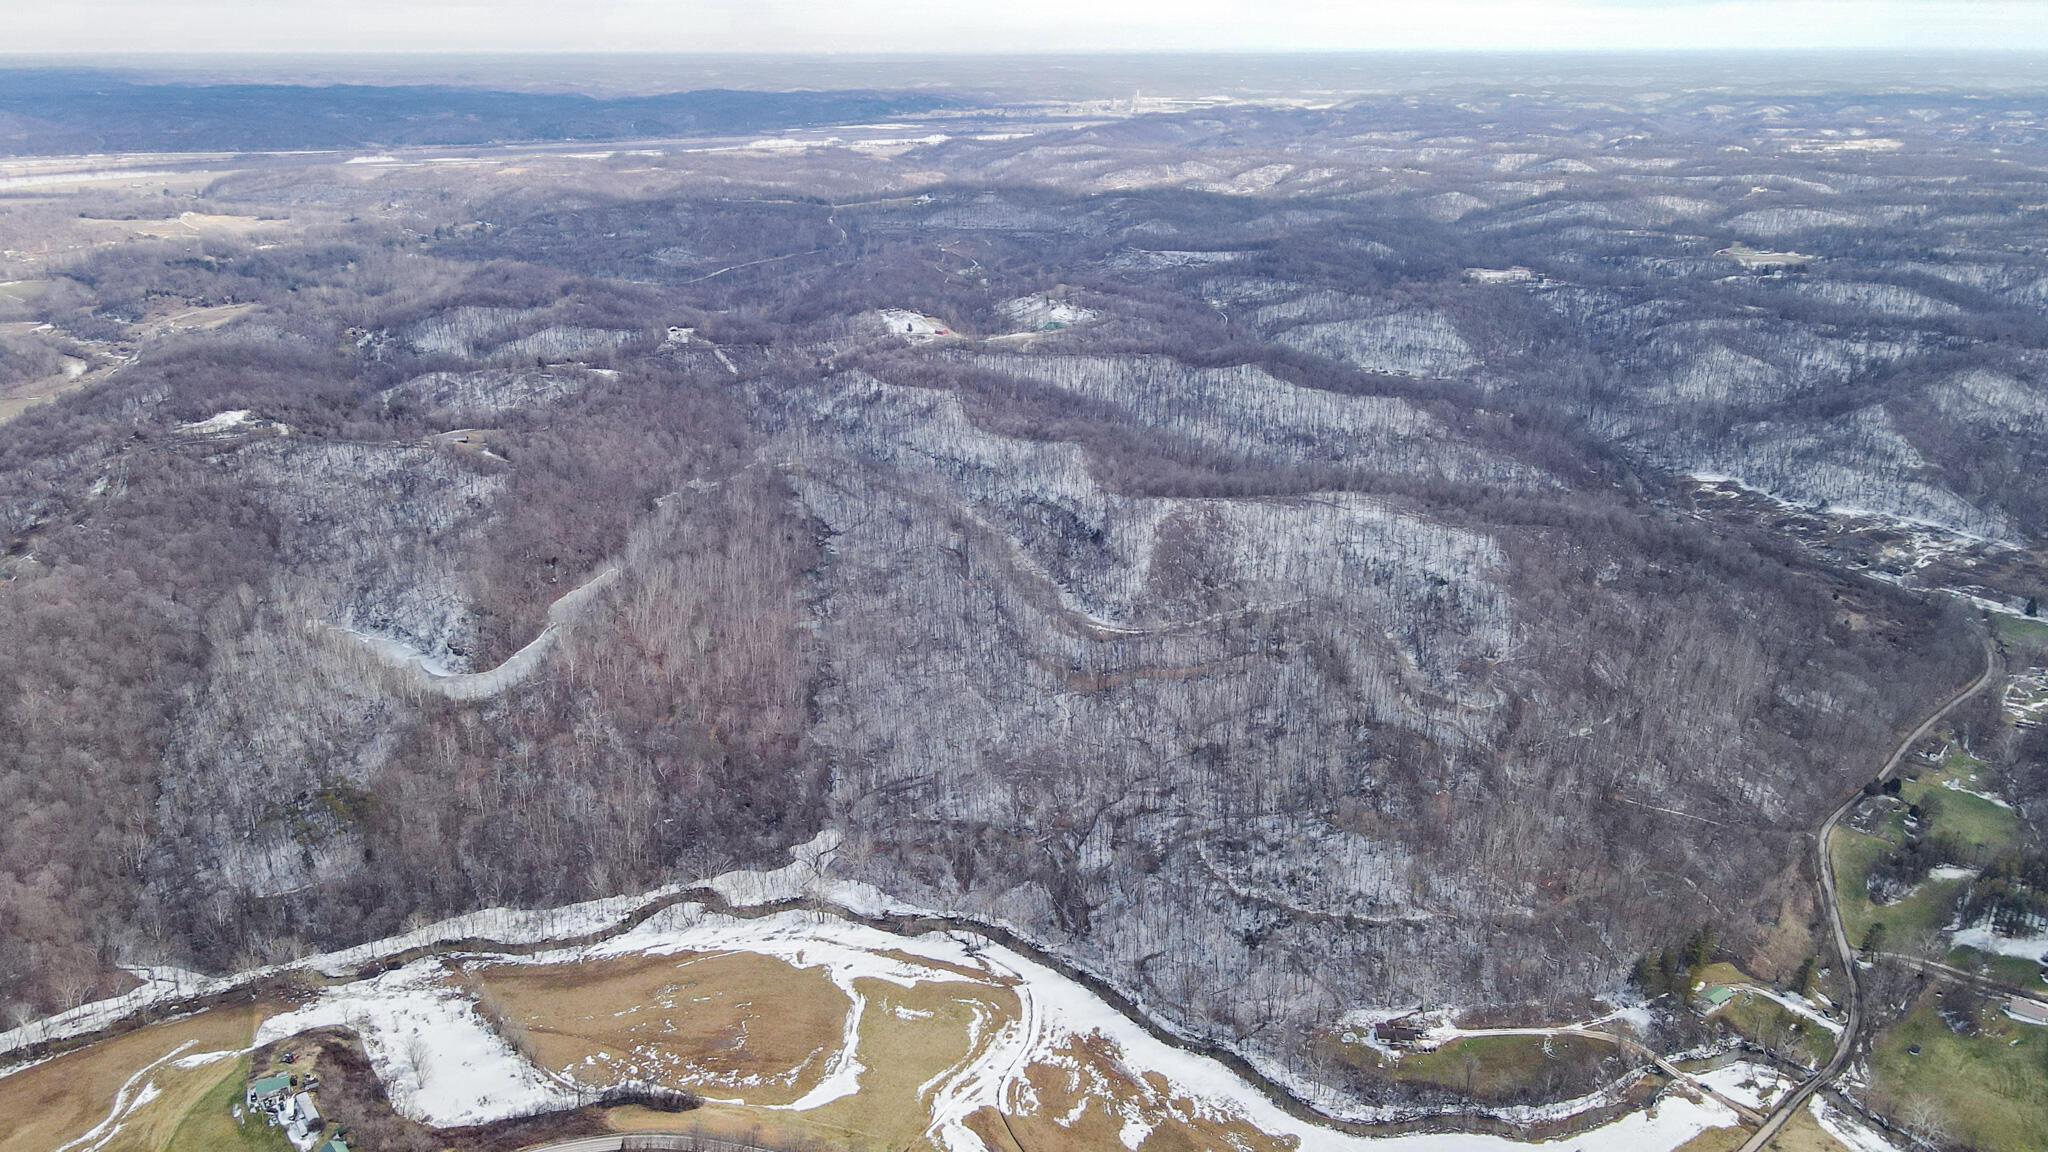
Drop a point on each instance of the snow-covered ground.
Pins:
(443, 1065)
(439, 1061)
(2026, 697)
(436, 675)
(915, 327)
(1984, 939)
(234, 420)
(1958, 537)
(1798, 1005)
(1038, 312)
(1758, 1086)
(1957, 786)
(136, 1092)
(504, 925)
(1851, 1132)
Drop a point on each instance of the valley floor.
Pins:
(795, 1028)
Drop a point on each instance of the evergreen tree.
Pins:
(1699, 950)
(1649, 979)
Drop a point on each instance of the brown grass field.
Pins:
(62, 1099)
(733, 1025)
(901, 1050)
(1075, 1096)
(1803, 1133)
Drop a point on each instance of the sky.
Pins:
(1004, 26)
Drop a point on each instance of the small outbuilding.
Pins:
(2026, 1011)
(301, 1120)
(1399, 1033)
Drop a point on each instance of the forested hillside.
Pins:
(1285, 560)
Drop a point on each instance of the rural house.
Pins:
(266, 1094)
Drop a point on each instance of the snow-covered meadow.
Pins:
(444, 1064)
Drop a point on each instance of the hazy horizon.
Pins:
(1056, 26)
(1097, 74)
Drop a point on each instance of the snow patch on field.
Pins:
(1852, 1133)
(1755, 1085)
(443, 1065)
(128, 1099)
(438, 1060)
(1984, 938)
(1042, 312)
(501, 925)
(915, 327)
(234, 420)
(1797, 1005)
(1988, 798)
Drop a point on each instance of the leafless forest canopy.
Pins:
(1251, 549)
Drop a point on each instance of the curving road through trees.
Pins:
(1845, 953)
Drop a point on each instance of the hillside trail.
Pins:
(515, 668)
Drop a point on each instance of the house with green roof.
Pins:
(266, 1091)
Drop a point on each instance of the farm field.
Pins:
(794, 1033)
(1981, 827)
(1983, 1085)
(146, 1082)
(778, 1044)
(2019, 971)
(723, 1025)
(209, 1125)
(1804, 1134)
(1498, 1068)
(1919, 917)
(15, 401)
(2019, 629)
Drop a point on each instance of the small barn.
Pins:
(1715, 995)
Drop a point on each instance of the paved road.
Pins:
(1844, 952)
